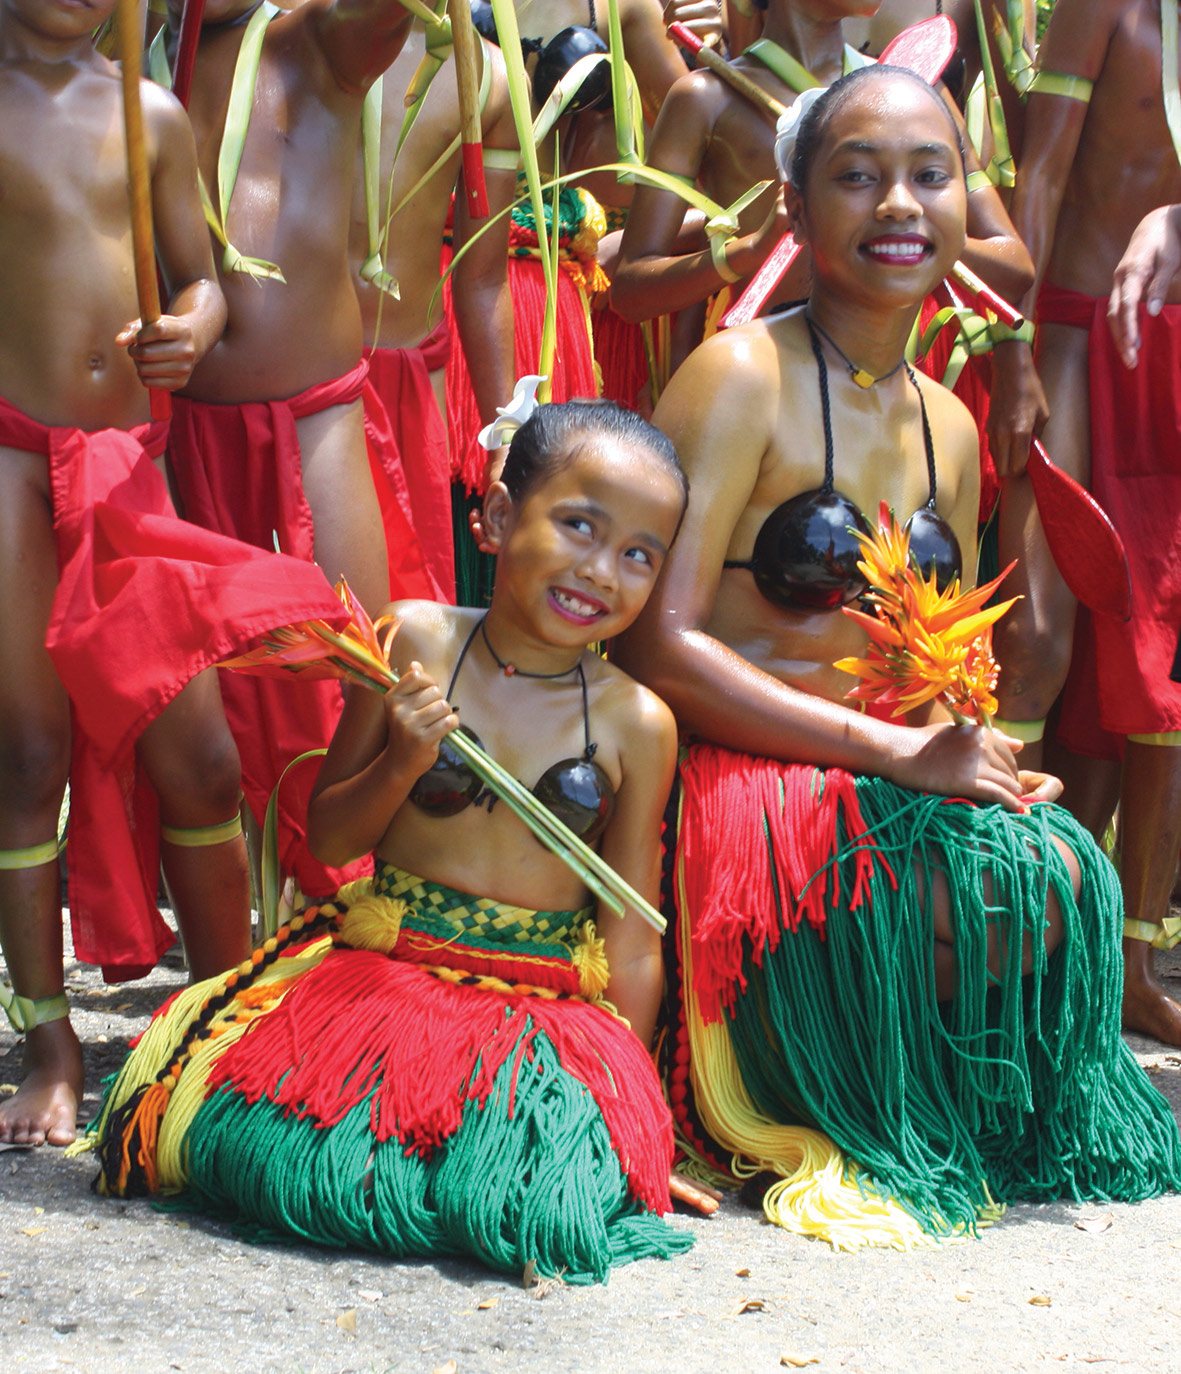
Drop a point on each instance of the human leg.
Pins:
(1033, 642)
(338, 484)
(34, 766)
(189, 755)
(1150, 832)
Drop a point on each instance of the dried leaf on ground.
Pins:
(1040, 1300)
(370, 1294)
(33, 1230)
(742, 1273)
(347, 1321)
(794, 1361)
(748, 1305)
(486, 1304)
(1096, 1223)
(964, 1294)
(448, 1367)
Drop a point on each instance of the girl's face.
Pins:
(580, 551)
(885, 202)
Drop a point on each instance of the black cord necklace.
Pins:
(511, 669)
(861, 377)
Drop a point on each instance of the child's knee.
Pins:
(201, 782)
(34, 764)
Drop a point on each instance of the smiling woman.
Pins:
(931, 984)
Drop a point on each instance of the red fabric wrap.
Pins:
(238, 471)
(970, 387)
(144, 603)
(408, 450)
(574, 367)
(1136, 478)
(780, 823)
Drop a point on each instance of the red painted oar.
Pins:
(925, 48)
(186, 49)
(139, 185)
(1084, 543)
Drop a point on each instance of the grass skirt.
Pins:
(434, 1079)
(808, 1034)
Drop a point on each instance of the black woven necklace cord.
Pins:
(511, 669)
(861, 376)
(814, 331)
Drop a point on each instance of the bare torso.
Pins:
(1125, 164)
(291, 207)
(870, 429)
(66, 278)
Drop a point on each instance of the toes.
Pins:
(61, 1135)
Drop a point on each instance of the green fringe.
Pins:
(474, 571)
(1021, 1088)
(542, 1184)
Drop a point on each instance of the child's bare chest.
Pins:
(62, 158)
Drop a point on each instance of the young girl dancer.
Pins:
(451, 1073)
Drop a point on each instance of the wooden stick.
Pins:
(463, 38)
(706, 57)
(139, 186)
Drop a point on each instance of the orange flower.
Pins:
(924, 644)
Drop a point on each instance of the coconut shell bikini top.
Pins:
(805, 555)
(577, 791)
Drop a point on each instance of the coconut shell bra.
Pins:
(576, 790)
(805, 555)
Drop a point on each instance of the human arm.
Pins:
(631, 845)
(1145, 272)
(166, 351)
(358, 38)
(725, 400)
(1075, 43)
(653, 277)
(481, 297)
(653, 57)
(382, 745)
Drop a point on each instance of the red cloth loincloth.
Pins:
(970, 387)
(408, 444)
(126, 634)
(574, 366)
(238, 471)
(1119, 678)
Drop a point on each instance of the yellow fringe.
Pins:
(817, 1194)
(371, 922)
(590, 959)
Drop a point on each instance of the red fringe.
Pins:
(574, 370)
(622, 360)
(362, 1023)
(751, 827)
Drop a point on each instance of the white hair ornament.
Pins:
(787, 129)
(511, 417)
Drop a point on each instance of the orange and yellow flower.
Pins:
(924, 644)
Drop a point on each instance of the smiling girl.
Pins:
(452, 1073)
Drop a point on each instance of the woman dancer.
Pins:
(935, 985)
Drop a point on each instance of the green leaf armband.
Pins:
(1062, 83)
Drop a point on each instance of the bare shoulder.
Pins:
(164, 115)
(639, 718)
(428, 631)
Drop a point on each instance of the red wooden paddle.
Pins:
(186, 49)
(925, 48)
(1084, 543)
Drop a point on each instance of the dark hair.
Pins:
(815, 123)
(549, 439)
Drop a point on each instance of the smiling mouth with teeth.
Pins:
(575, 605)
(908, 249)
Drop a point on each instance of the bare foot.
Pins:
(1148, 1008)
(45, 1107)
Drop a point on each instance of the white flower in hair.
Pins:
(511, 417)
(787, 129)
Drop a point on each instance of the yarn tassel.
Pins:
(127, 1154)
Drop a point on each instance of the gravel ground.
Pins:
(100, 1285)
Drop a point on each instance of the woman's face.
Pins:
(884, 206)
